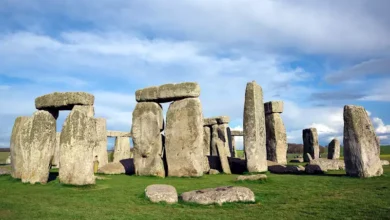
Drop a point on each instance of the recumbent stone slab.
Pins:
(161, 193)
(63, 100)
(168, 92)
(118, 134)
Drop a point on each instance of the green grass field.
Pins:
(329, 196)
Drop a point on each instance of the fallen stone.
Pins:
(310, 144)
(237, 133)
(314, 169)
(112, 169)
(184, 138)
(327, 164)
(283, 169)
(19, 143)
(254, 129)
(219, 140)
(161, 193)
(121, 149)
(63, 100)
(273, 107)
(231, 145)
(361, 155)
(100, 150)
(276, 138)
(118, 134)
(168, 92)
(148, 122)
(219, 195)
(213, 172)
(251, 177)
(334, 149)
(385, 162)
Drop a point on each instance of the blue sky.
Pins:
(316, 56)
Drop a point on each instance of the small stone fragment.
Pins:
(252, 177)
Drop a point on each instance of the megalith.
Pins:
(219, 141)
(334, 149)
(254, 129)
(121, 149)
(41, 147)
(100, 150)
(206, 141)
(361, 155)
(184, 138)
(17, 146)
(77, 142)
(56, 156)
(276, 132)
(148, 122)
(310, 144)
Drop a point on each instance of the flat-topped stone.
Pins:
(216, 120)
(237, 133)
(161, 193)
(63, 100)
(273, 107)
(118, 134)
(168, 92)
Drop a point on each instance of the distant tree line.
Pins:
(4, 150)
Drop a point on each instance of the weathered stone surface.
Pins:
(56, 156)
(334, 149)
(314, 169)
(310, 144)
(206, 141)
(168, 92)
(327, 164)
(216, 120)
(218, 139)
(214, 150)
(161, 193)
(121, 149)
(8, 160)
(251, 177)
(19, 143)
(63, 100)
(78, 139)
(184, 138)
(219, 195)
(283, 169)
(112, 169)
(237, 133)
(100, 149)
(385, 162)
(276, 138)
(273, 107)
(148, 122)
(223, 132)
(361, 155)
(254, 129)
(118, 134)
(234, 148)
(213, 172)
(206, 165)
(230, 139)
(41, 148)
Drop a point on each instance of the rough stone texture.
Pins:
(148, 122)
(63, 100)
(184, 138)
(112, 168)
(41, 148)
(230, 139)
(56, 156)
(334, 149)
(213, 172)
(219, 141)
(206, 141)
(314, 169)
(237, 133)
(78, 139)
(254, 129)
(283, 169)
(214, 150)
(100, 149)
(223, 132)
(219, 195)
(216, 120)
(251, 177)
(118, 134)
(161, 193)
(273, 107)
(361, 155)
(276, 138)
(327, 164)
(121, 149)
(206, 165)
(310, 144)
(385, 162)
(168, 92)
(19, 142)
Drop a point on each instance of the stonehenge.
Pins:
(100, 150)
(361, 155)
(310, 144)
(334, 149)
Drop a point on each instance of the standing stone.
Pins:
(219, 140)
(17, 146)
(334, 149)
(230, 139)
(56, 155)
(206, 141)
(223, 128)
(184, 138)
(214, 150)
(148, 122)
(254, 129)
(121, 149)
(100, 149)
(361, 155)
(276, 138)
(78, 139)
(310, 144)
(234, 148)
(42, 144)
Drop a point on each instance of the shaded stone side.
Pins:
(273, 107)
(361, 154)
(168, 92)
(63, 100)
(230, 142)
(219, 140)
(254, 129)
(184, 138)
(206, 141)
(78, 139)
(214, 150)
(100, 149)
(41, 147)
(56, 156)
(310, 144)
(121, 149)
(334, 149)
(276, 138)
(148, 122)
(223, 131)
(17, 142)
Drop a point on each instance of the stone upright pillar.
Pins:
(310, 144)
(18, 145)
(219, 141)
(276, 132)
(206, 141)
(56, 156)
(100, 149)
(230, 139)
(334, 149)
(361, 155)
(184, 138)
(254, 129)
(148, 122)
(121, 149)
